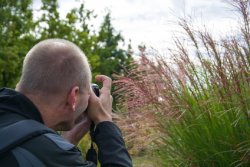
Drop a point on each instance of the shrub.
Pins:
(198, 101)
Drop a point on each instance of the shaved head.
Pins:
(54, 66)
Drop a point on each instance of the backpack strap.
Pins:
(19, 132)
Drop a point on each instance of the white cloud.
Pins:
(154, 22)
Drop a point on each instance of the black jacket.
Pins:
(51, 150)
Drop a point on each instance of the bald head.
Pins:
(54, 66)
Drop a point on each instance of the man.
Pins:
(54, 90)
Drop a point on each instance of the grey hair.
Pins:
(54, 66)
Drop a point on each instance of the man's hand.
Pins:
(80, 129)
(100, 108)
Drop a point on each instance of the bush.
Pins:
(198, 101)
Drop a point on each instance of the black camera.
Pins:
(95, 88)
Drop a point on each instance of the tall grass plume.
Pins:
(193, 109)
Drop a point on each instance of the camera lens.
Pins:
(95, 88)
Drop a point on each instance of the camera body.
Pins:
(95, 88)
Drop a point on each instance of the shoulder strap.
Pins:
(19, 132)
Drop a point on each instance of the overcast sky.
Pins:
(154, 22)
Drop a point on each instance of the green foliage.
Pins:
(111, 56)
(19, 31)
(209, 133)
(15, 38)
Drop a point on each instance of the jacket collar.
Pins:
(13, 101)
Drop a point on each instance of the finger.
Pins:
(106, 83)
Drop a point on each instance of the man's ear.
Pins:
(72, 97)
